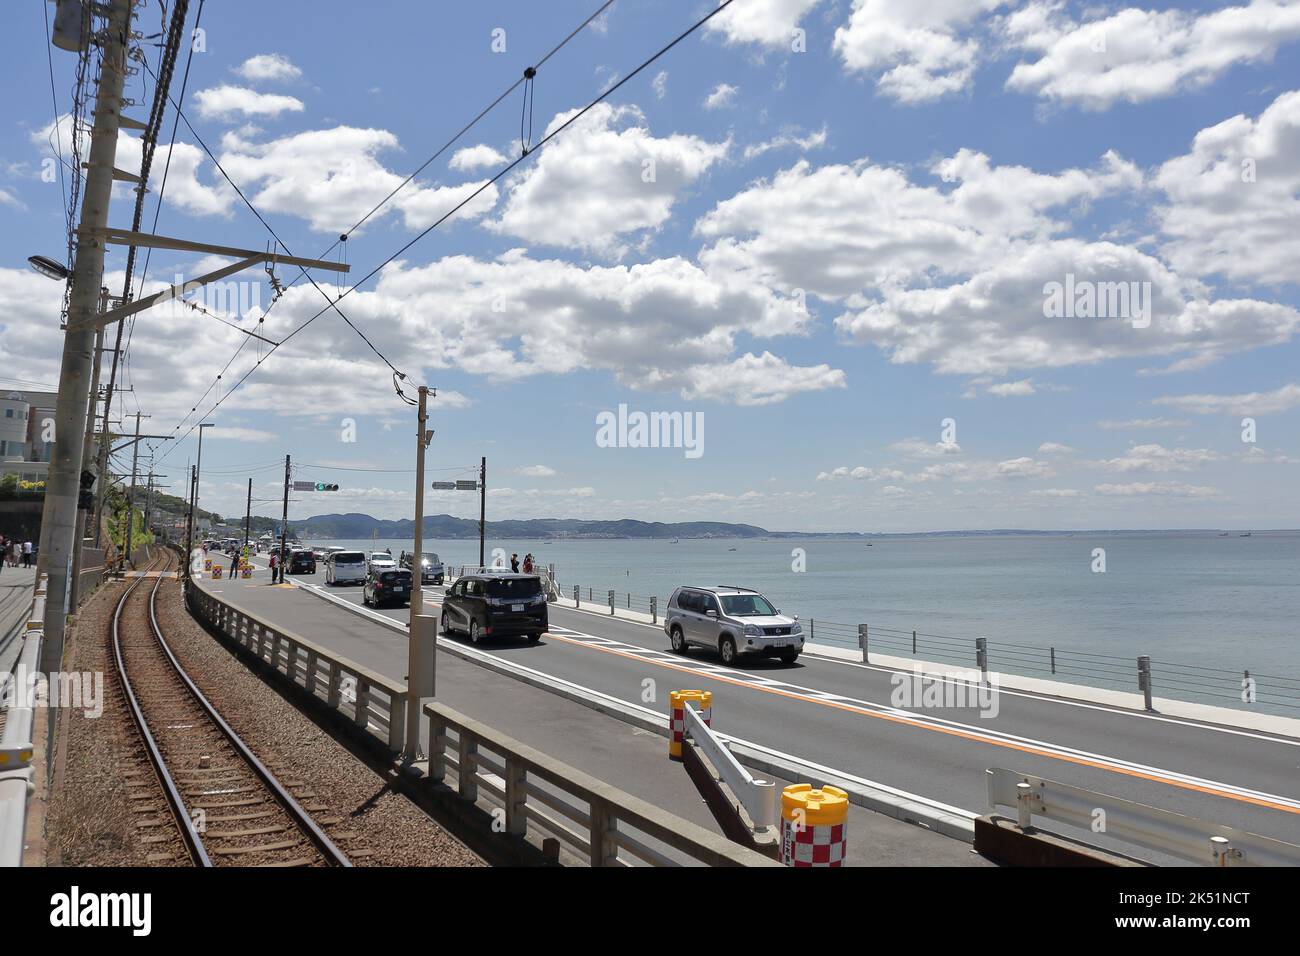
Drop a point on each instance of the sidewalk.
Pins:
(15, 603)
(632, 759)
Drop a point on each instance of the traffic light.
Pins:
(322, 486)
(86, 497)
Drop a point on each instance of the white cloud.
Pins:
(236, 433)
(1057, 493)
(536, 471)
(1155, 457)
(1234, 198)
(912, 47)
(723, 95)
(602, 181)
(1135, 55)
(1172, 489)
(920, 448)
(227, 102)
(9, 199)
(769, 23)
(1004, 389)
(268, 66)
(1111, 425)
(660, 84)
(476, 157)
(1054, 448)
(786, 140)
(1250, 403)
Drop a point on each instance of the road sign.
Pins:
(444, 486)
(469, 485)
(304, 486)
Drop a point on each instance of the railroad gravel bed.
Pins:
(392, 830)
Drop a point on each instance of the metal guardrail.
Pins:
(1164, 831)
(599, 822)
(373, 702)
(17, 746)
(758, 797)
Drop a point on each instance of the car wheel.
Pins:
(679, 640)
(727, 648)
(534, 638)
(789, 657)
(474, 635)
(445, 624)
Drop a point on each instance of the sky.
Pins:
(903, 265)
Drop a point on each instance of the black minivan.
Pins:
(386, 586)
(493, 604)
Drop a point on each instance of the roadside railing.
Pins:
(1196, 841)
(371, 701)
(16, 744)
(599, 823)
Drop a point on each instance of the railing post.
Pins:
(397, 704)
(313, 666)
(611, 600)
(604, 851)
(862, 642)
(333, 689)
(467, 757)
(577, 596)
(982, 657)
(812, 629)
(1053, 650)
(437, 749)
(361, 709)
(654, 609)
(913, 642)
(516, 797)
(1144, 679)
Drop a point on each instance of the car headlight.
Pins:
(796, 628)
(753, 630)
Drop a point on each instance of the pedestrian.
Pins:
(275, 568)
(528, 563)
(27, 554)
(4, 551)
(514, 563)
(234, 565)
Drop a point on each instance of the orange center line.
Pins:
(951, 731)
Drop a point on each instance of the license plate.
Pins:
(399, 590)
(516, 607)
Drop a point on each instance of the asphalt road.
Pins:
(838, 714)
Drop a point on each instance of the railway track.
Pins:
(229, 809)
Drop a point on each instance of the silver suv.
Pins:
(732, 621)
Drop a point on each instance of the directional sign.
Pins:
(467, 485)
(444, 486)
(304, 486)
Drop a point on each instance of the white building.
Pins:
(23, 422)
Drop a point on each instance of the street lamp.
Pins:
(49, 268)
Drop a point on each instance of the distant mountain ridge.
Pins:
(445, 526)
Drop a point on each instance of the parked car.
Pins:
(732, 621)
(386, 586)
(345, 567)
(492, 604)
(301, 561)
(431, 569)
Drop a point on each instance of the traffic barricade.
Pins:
(814, 825)
(677, 716)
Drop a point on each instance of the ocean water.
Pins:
(1205, 608)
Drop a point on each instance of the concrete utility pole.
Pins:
(189, 525)
(284, 521)
(422, 641)
(130, 495)
(482, 507)
(59, 517)
(248, 511)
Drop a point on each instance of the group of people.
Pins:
(528, 563)
(14, 552)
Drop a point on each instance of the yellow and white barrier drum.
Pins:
(677, 716)
(216, 571)
(814, 825)
(207, 564)
(247, 572)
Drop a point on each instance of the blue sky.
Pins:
(916, 173)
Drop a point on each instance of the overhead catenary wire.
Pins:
(437, 153)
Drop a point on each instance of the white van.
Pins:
(345, 567)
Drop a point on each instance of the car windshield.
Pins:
(514, 587)
(380, 556)
(348, 557)
(429, 558)
(747, 605)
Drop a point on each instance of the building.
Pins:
(25, 418)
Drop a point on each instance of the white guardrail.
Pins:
(16, 747)
(758, 797)
(1167, 832)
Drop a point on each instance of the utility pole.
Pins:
(189, 524)
(284, 521)
(482, 506)
(148, 497)
(130, 495)
(248, 511)
(422, 639)
(87, 452)
(59, 516)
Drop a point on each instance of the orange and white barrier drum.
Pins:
(216, 571)
(207, 564)
(677, 716)
(247, 572)
(814, 825)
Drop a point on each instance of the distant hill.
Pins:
(445, 527)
